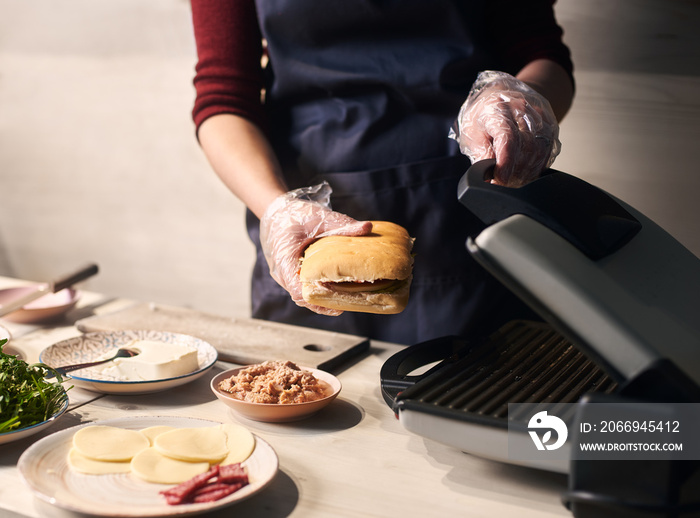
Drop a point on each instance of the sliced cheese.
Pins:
(239, 441)
(193, 444)
(158, 454)
(109, 443)
(152, 466)
(83, 464)
(154, 431)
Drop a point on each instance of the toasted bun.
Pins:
(383, 254)
(336, 269)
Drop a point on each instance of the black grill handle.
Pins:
(586, 216)
(395, 375)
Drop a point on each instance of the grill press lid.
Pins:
(607, 277)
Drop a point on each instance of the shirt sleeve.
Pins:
(525, 30)
(228, 75)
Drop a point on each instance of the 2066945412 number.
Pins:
(639, 426)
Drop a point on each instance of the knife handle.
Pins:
(77, 276)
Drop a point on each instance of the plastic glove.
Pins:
(505, 119)
(291, 223)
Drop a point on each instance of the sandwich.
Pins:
(368, 274)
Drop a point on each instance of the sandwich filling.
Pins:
(383, 285)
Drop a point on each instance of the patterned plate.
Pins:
(88, 347)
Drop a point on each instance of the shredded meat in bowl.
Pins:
(275, 383)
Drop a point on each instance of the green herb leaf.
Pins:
(26, 398)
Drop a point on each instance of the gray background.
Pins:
(98, 160)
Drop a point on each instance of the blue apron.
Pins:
(362, 93)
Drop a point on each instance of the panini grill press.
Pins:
(621, 303)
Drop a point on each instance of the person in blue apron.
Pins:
(321, 116)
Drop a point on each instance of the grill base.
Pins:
(462, 399)
(523, 362)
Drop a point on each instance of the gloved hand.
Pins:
(291, 223)
(505, 119)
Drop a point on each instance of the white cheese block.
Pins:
(155, 361)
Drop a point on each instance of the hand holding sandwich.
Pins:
(292, 222)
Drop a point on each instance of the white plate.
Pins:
(44, 467)
(16, 435)
(90, 346)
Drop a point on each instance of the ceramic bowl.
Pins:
(272, 412)
(5, 334)
(8, 348)
(50, 306)
(16, 435)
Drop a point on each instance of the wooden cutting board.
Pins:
(238, 340)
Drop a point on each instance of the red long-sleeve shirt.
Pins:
(229, 77)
